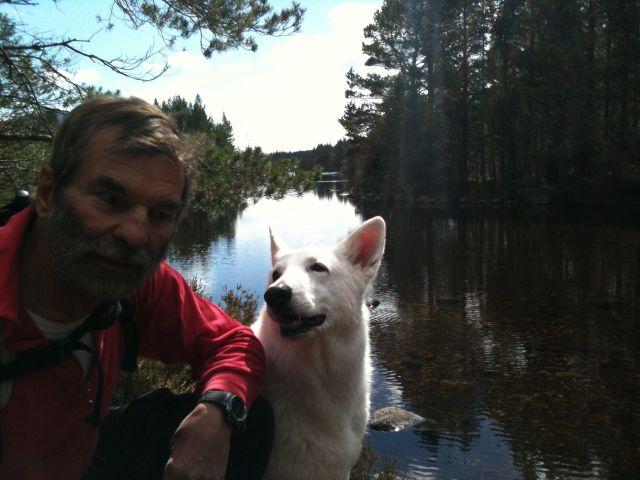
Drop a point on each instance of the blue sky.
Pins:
(286, 96)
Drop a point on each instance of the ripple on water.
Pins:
(386, 388)
(417, 470)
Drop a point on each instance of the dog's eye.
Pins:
(275, 275)
(319, 267)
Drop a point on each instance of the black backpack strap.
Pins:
(131, 337)
(36, 359)
(20, 202)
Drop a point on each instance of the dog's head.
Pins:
(320, 288)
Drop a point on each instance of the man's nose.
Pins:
(133, 228)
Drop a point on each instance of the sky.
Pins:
(287, 96)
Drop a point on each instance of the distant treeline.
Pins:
(328, 157)
(498, 100)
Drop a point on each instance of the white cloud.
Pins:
(89, 76)
(188, 61)
(288, 97)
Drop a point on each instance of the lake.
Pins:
(516, 335)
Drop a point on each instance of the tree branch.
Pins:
(26, 137)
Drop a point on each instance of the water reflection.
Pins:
(517, 337)
(332, 189)
(198, 232)
(521, 333)
(234, 249)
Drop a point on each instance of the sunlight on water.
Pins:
(244, 257)
(386, 389)
(298, 220)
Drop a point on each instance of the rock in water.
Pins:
(389, 419)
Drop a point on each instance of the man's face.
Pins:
(111, 226)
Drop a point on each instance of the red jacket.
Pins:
(43, 432)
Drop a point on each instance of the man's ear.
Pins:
(44, 191)
(365, 245)
(277, 246)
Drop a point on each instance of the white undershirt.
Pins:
(57, 330)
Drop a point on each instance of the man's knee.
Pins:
(136, 439)
(250, 450)
(261, 420)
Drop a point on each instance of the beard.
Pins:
(72, 250)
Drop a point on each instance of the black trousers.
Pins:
(134, 441)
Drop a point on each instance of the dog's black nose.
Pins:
(278, 297)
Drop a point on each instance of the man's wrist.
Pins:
(214, 416)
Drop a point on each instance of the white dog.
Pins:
(315, 330)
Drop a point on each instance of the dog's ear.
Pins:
(365, 245)
(277, 245)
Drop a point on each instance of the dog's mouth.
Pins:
(293, 324)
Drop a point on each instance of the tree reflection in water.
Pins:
(198, 231)
(530, 324)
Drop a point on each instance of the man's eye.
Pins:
(112, 200)
(318, 267)
(275, 275)
(160, 216)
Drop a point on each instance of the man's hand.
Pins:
(200, 446)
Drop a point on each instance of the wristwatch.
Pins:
(233, 408)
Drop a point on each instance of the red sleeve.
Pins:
(178, 326)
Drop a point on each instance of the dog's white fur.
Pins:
(319, 382)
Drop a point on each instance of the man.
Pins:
(106, 208)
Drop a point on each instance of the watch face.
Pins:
(234, 408)
(238, 410)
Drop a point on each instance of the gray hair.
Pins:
(142, 129)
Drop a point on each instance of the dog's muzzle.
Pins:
(291, 324)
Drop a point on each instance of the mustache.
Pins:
(116, 250)
(68, 229)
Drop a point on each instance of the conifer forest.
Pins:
(534, 101)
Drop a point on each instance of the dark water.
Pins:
(516, 335)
